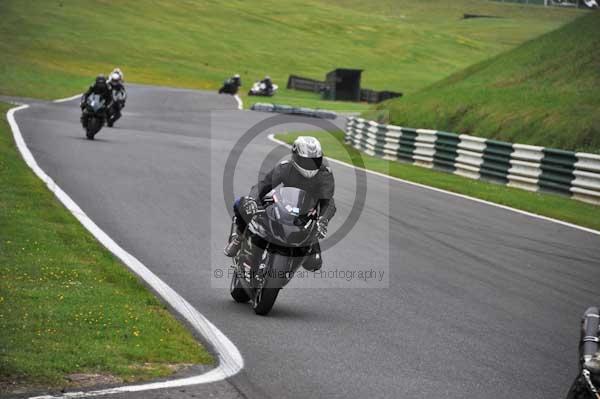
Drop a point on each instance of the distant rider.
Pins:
(99, 87)
(231, 85)
(236, 80)
(308, 171)
(118, 95)
(268, 84)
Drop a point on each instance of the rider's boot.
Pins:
(313, 261)
(235, 241)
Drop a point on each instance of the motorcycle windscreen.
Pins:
(288, 217)
(291, 206)
(95, 102)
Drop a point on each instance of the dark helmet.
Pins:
(100, 82)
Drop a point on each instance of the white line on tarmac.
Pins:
(62, 100)
(439, 190)
(239, 102)
(229, 357)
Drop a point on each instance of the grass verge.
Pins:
(66, 304)
(54, 48)
(550, 205)
(544, 92)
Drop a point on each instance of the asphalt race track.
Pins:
(476, 301)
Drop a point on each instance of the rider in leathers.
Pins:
(119, 95)
(307, 170)
(268, 84)
(100, 87)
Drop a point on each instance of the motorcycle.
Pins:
(574, 3)
(118, 103)
(260, 89)
(277, 241)
(94, 115)
(229, 87)
(587, 383)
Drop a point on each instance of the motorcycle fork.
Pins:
(247, 261)
(263, 269)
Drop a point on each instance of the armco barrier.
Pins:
(286, 109)
(523, 166)
(586, 185)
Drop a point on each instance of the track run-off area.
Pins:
(457, 298)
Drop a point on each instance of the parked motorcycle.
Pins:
(277, 241)
(260, 89)
(587, 383)
(591, 3)
(94, 115)
(575, 3)
(117, 104)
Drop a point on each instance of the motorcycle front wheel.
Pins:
(93, 126)
(264, 300)
(237, 291)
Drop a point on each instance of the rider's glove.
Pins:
(322, 227)
(249, 206)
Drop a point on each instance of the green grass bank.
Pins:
(544, 92)
(66, 304)
(53, 48)
(554, 206)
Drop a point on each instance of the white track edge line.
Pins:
(508, 208)
(239, 102)
(62, 100)
(230, 360)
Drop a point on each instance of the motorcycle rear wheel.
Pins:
(264, 300)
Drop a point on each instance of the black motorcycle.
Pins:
(117, 104)
(587, 383)
(229, 87)
(276, 243)
(94, 115)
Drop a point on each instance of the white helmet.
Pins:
(116, 75)
(307, 156)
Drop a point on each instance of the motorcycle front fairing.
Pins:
(287, 221)
(95, 103)
(282, 235)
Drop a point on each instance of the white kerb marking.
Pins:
(62, 100)
(239, 102)
(229, 357)
(439, 190)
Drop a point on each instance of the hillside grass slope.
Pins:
(545, 92)
(68, 307)
(53, 48)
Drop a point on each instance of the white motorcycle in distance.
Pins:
(260, 89)
(573, 3)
